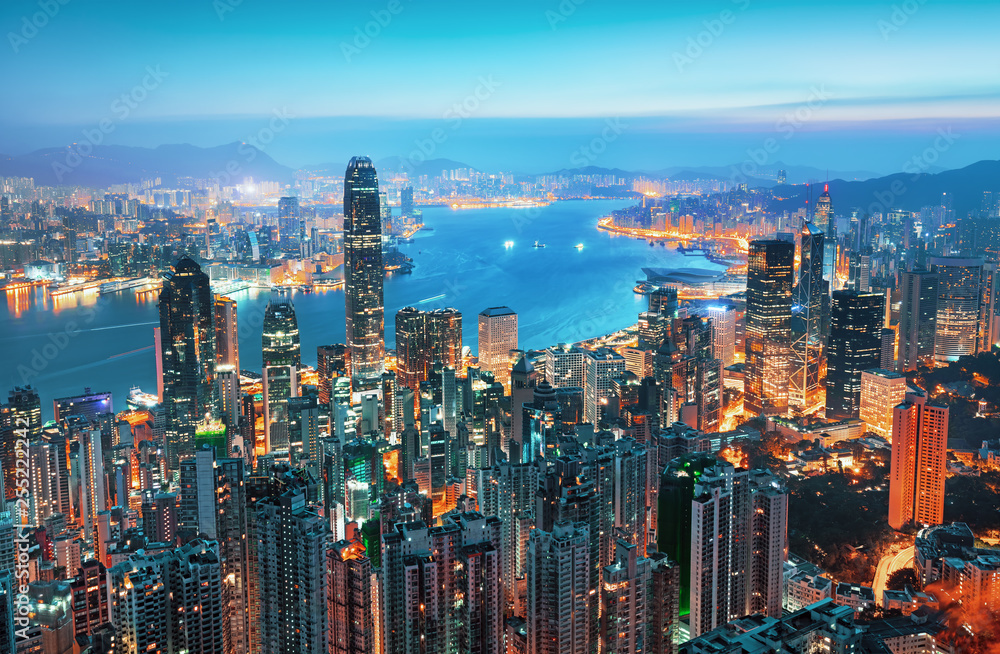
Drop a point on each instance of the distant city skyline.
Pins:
(523, 89)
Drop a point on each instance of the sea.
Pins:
(575, 285)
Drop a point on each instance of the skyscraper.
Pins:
(602, 366)
(282, 360)
(88, 404)
(227, 342)
(919, 458)
(349, 599)
(625, 601)
(559, 598)
(957, 306)
(768, 326)
(332, 362)
(855, 346)
(187, 339)
(917, 319)
(807, 321)
(363, 274)
(424, 338)
(881, 392)
(497, 337)
(723, 333)
(824, 219)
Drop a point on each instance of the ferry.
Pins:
(125, 284)
(139, 401)
(538, 245)
(579, 246)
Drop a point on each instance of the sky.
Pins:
(525, 85)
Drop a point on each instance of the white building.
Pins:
(723, 333)
(603, 365)
(565, 366)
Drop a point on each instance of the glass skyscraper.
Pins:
(768, 327)
(855, 346)
(187, 337)
(363, 275)
(282, 361)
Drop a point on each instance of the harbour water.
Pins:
(578, 286)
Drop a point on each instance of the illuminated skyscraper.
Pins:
(625, 601)
(807, 322)
(187, 340)
(227, 343)
(919, 459)
(282, 361)
(957, 307)
(363, 274)
(602, 366)
(881, 392)
(824, 219)
(424, 338)
(349, 599)
(723, 333)
(559, 590)
(855, 346)
(497, 337)
(768, 327)
(332, 362)
(917, 319)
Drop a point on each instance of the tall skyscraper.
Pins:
(855, 346)
(807, 322)
(917, 319)
(424, 338)
(768, 327)
(227, 342)
(664, 605)
(723, 333)
(989, 288)
(93, 496)
(497, 337)
(291, 571)
(824, 219)
(559, 598)
(363, 274)
(957, 307)
(602, 366)
(187, 339)
(625, 601)
(919, 459)
(282, 361)
(881, 392)
(332, 362)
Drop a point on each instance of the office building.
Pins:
(187, 342)
(93, 495)
(957, 307)
(565, 366)
(602, 366)
(887, 353)
(917, 319)
(227, 333)
(855, 345)
(825, 221)
(88, 404)
(441, 586)
(768, 327)
(332, 363)
(424, 338)
(807, 322)
(559, 590)
(881, 392)
(363, 275)
(919, 462)
(497, 338)
(723, 333)
(282, 361)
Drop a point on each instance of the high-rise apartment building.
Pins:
(768, 327)
(917, 319)
(919, 459)
(625, 601)
(602, 366)
(442, 586)
(559, 590)
(855, 345)
(881, 392)
(958, 302)
(497, 337)
(663, 622)
(363, 274)
(187, 342)
(349, 599)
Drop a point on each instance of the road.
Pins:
(889, 564)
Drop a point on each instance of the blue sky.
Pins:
(698, 83)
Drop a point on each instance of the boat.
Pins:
(125, 284)
(139, 401)
(508, 244)
(538, 245)
(579, 246)
(694, 251)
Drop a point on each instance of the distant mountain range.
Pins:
(103, 165)
(905, 191)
